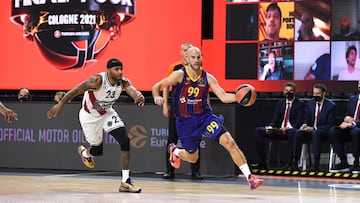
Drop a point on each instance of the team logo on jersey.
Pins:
(72, 34)
(201, 82)
(182, 99)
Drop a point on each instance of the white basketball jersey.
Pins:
(100, 101)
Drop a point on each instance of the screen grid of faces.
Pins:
(293, 40)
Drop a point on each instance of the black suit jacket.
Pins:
(327, 114)
(351, 107)
(296, 117)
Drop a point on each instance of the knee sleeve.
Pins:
(121, 136)
(223, 130)
(96, 150)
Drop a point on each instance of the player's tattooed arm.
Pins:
(133, 92)
(93, 82)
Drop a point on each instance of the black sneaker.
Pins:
(340, 167)
(169, 175)
(197, 176)
(291, 166)
(294, 167)
(355, 169)
(260, 165)
(313, 169)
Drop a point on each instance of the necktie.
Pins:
(317, 114)
(357, 112)
(286, 117)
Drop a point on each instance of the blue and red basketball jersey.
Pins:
(190, 97)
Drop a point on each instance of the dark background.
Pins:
(141, 122)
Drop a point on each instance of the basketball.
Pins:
(245, 95)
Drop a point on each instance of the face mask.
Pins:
(289, 95)
(24, 99)
(317, 98)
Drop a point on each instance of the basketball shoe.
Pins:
(88, 162)
(173, 159)
(128, 186)
(255, 182)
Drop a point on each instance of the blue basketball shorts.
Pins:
(191, 130)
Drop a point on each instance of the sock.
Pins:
(84, 153)
(125, 175)
(176, 151)
(245, 170)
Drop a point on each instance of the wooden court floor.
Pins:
(102, 187)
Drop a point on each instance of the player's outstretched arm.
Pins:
(158, 99)
(9, 114)
(93, 82)
(136, 95)
(173, 79)
(219, 91)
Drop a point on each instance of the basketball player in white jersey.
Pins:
(97, 115)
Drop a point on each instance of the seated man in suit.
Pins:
(287, 118)
(347, 131)
(319, 117)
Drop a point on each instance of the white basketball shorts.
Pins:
(94, 126)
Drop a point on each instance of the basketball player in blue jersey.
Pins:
(168, 112)
(194, 116)
(97, 115)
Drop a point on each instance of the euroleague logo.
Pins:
(72, 34)
(138, 136)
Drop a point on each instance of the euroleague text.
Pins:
(159, 138)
